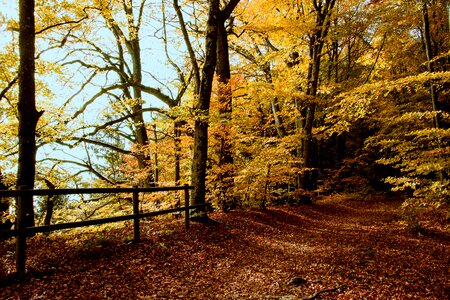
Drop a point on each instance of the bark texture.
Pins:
(28, 114)
(224, 150)
(323, 10)
(202, 108)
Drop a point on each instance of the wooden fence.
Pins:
(22, 233)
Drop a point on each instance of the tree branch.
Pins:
(8, 87)
(65, 22)
(226, 12)
(192, 56)
(121, 119)
(98, 143)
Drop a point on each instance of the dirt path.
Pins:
(339, 248)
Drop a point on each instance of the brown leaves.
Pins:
(340, 249)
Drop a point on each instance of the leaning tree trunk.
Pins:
(430, 56)
(28, 115)
(142, 139)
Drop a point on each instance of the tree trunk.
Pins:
(144, 158)
(202, 108)
(430, 56)
(276, 111)
(333, 68)
(155, 155)
(28, 115)
(132, 82)
(177, 141)
(433, 92)
(308, 180)
(225, 148)
(49, 203)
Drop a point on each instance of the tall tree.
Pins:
(430, 55)
(323, 10)
(225, 98)
(203, 95)
(130, 75)
(27, 112)
(202, 87)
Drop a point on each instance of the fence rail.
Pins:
(45, 192)
(22, 233)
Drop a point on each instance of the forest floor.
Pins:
(341, 248)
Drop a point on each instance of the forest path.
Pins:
(345, 247)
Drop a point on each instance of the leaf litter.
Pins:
(336, 249)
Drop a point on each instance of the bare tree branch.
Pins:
(193, 58)
(99, 143)
(119, 120)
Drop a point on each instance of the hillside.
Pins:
(341, 248)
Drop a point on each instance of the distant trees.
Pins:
(362, 49)
(402, 141)
(289, 55)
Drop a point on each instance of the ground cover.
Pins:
(341, 248)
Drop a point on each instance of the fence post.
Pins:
(21, 238)
(136, 222)
(186, 205)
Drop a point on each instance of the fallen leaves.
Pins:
(342, 249)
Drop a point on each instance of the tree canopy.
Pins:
(254, 102)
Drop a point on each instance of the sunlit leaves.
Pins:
(367, 99)
(405, 139)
